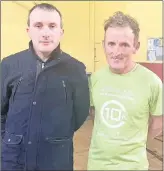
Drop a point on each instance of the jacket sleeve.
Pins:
(5, 95)
(81, 97)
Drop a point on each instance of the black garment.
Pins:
(42, 105)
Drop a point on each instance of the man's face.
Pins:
(119, 46)
(45, 30)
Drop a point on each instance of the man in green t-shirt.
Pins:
(127, 102)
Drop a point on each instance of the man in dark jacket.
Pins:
(44, 98)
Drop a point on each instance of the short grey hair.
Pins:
(119, 19)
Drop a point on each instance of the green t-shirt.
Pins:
(122, 107)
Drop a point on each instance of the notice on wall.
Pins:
(155, 49)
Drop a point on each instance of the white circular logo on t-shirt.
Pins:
(113, 114)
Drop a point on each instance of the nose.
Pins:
(46, 32)
(117, 50)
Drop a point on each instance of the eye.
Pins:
(111, 43)
(125, 44)
(52, 26)
(38, 26)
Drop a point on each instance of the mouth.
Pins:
(117, 59)
(45, 43)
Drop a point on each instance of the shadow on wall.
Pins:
(155, 67)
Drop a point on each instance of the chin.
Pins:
(46, 50)
(117, 66)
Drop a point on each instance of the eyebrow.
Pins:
(127, 43)
(37, 23)
(42, 23)
(119, 43)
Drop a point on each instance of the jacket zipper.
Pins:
(42, 65)
(39, 131)
(65, 91)
(17, 85)
(37, 73)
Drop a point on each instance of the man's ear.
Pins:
(103, 44)
(27, 29)
(62, 32)
(28, 32)
(136, 48)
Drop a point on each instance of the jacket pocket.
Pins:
(12, 139)
(12, 148)
(59, 153)
(58, 140)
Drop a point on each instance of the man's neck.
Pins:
(129, 68)
(43, 56)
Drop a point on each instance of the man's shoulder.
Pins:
(100, 72)
(73, 62)
(98, 75)
(151, 77)
(12, 58)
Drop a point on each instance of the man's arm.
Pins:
(155, 126)
(5, 95)
(92, 113)
(81, 98)
(155, 103)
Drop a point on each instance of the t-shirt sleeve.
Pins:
(155, 103)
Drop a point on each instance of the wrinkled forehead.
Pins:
(44, 16)
(120, 34)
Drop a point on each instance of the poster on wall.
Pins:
(154, 51)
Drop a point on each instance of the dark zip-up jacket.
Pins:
(42, 105)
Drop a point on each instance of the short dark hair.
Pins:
(119, 19)
(47, 7)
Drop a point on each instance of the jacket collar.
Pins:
(56, 53)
